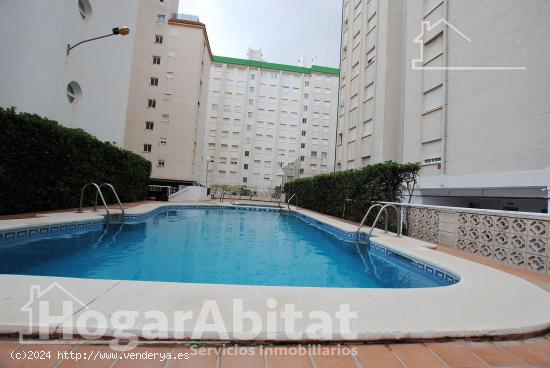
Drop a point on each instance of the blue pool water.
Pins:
(215, 246)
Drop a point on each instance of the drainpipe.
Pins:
(338, 99)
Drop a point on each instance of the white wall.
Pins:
(34, 69)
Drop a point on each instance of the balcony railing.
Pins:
(186, 17)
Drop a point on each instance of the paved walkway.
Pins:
(533, 352)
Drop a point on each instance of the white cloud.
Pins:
(283, 29)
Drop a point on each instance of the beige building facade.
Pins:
(169, 84)
(263, 117)
(457, 86)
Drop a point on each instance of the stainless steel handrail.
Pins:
(378, 216)
(98, 191)
(115, 193)
(376, 205)
(290, 199)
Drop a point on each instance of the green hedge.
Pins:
(43, 165)
(356, 189)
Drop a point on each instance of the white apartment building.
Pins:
(144, 91)
(459, 86)
(262, 117)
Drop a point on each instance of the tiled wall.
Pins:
(519, 239)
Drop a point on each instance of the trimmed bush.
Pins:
(43, 165)
(356, 189)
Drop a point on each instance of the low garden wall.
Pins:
(516, 238)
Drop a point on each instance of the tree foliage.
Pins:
(349, 193)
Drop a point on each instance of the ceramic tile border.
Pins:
(35, 232)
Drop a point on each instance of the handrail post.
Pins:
(290, 199)
(115, 193)
(98, 192)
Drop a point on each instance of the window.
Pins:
(274, 75)
(163, 141)
(301, 171)
(251, 89)
(245, 179)
(146, 147)
(369, 91)
(303, 133)
(306, 96)
(158, 38)
(85, 9)
(250, 114)
(324, 155)
(302, 158)
(245, 166)
(169, 75)
(161, 18)
(171, 54)
(306, 83)
(168, 97)
(305, 108)
(304, 121)
(152, 103)
(434, 160)
(74, 92)
(156, 60)
(371, 56)
(149, 125)
(154, 81)
(246, 153)
(160, 163)
(251, 102)
(227, 108)
(313, 153)
(340, 137)
(433, 99)
(165, 118)
(252, 76)
(302, 145)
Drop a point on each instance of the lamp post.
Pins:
(123, 31)
(208, 160)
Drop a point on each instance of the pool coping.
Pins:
(480, 305)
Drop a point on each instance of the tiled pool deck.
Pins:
(454, 353)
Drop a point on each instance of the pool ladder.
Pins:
(116, 218)
(383, 208)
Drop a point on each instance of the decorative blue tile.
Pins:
(33, 232)
(21, 233)
(54, 229)
(44, 230)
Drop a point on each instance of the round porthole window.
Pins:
(74, 92)
(85, 9)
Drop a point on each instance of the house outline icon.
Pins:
(418, 64)
(36, 293)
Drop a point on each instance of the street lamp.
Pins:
(209, 159)
(123, 31)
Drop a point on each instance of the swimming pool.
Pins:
(217, 246)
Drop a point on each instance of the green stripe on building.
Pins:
(274, 66)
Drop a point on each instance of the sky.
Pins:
(283, 29)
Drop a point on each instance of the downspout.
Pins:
(339, 82)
